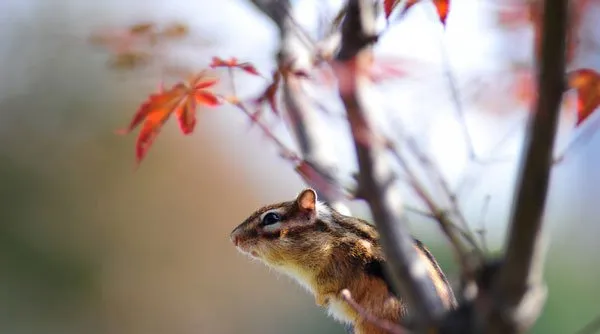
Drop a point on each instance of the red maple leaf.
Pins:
(269, 95)
(388, 6)
(587, 84)
(181, 100)
(442, 7)
(233, 63)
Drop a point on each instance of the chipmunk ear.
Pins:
(307, 200)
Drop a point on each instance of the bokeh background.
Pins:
(90, 245)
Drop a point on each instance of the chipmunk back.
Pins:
(326, 252)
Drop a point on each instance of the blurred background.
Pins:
(90, 244)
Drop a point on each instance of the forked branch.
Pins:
(295, 56)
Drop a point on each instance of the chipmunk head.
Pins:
(279, 233)
(300, 237)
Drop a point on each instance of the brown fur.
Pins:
(328, 252)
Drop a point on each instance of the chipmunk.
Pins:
(327, 252)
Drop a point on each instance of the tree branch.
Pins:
(447, 226)
(519, 289)
(295, 56)
(376, 173)
(389, 327)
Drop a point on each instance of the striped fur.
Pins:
(326, 252)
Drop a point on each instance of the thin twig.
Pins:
(307, 171)
(280, 12)
(582, 137)
(453, 86)
(419, 212)
(285, 14)
(352, 195)
(457, 102)
(437, 175)
(508, 135)
(426, 214)
(482, 230)
(283, 148)
(381, 323)
(440, 215)
(297, 49)
(490, 156)
(232, 81)
(315, 145)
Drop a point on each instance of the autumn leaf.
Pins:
(270, 93)
(181, 100)
(233, 63)
(388, 7)
(587, 84)
(442, 7)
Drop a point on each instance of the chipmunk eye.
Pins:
(271, 218)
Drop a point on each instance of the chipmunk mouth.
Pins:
(248, 250)
(245, 246)
(243, 243)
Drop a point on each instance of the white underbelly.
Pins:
(336, 310)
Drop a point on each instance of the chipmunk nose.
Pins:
(235, 236)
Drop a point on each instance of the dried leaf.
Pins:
(129, 60)
(141, 28)
(182, 99)
(587, 84)
(176, 30)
